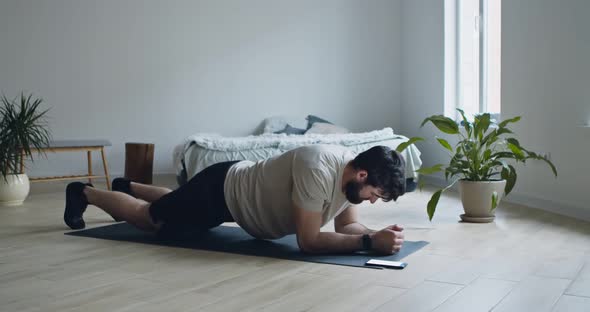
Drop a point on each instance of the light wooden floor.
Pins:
(527, 260)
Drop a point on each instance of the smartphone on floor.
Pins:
(387, 264)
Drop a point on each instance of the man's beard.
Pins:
(352, 190)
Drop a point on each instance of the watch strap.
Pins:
(367, 242)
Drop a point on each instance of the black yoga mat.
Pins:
(236, 240)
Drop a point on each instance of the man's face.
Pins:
(357, 192)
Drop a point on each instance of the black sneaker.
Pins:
(122, 185)
(76, 204)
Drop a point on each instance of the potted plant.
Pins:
(22, 130)
(479, 161)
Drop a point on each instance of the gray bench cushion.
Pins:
(79, 143)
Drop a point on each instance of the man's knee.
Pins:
(143, 208)
(150, 224)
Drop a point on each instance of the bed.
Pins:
(201, 150)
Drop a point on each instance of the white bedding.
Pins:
(202, 150)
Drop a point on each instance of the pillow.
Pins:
(278, 123)
(311, 119)
(325, 128)
(291, 130)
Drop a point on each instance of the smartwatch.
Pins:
(367, 242)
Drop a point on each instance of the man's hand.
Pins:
(389, 240)
(395, 227)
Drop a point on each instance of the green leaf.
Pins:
(503, 164)
(509, 174)
(430, 170)
(445, 144)
(491, 137)
(550, 165)
(476, 126)
(410, 141)
(514, 142)
(533, 155)
(507, 121)
(444, 124)
(466, 123)
(456, 171)
(503, 155)
(516, 150)
(484, 124)
(501, 131)
(431, 207)
(494, 200)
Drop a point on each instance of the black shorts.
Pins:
(195, 206)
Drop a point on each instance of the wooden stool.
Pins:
(75, 146)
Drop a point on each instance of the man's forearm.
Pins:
(327, 242)
(355, 228)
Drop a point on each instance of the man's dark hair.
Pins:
(385, 170)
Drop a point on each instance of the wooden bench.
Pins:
(75, 146)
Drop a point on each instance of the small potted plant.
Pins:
(482, 162)
(22, 130)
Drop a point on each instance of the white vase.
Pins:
(14, 190)
(476, 197)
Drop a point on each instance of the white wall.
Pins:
(545, 78)
(422, 82)
(157, 71)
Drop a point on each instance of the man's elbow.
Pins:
(308, 246)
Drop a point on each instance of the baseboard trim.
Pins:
(553, 206)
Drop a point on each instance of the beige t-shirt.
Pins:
(260, 195)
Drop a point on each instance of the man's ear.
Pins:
(361, 175)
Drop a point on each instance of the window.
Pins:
(472, 57)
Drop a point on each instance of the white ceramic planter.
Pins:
(476, 198)
(14, 190)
